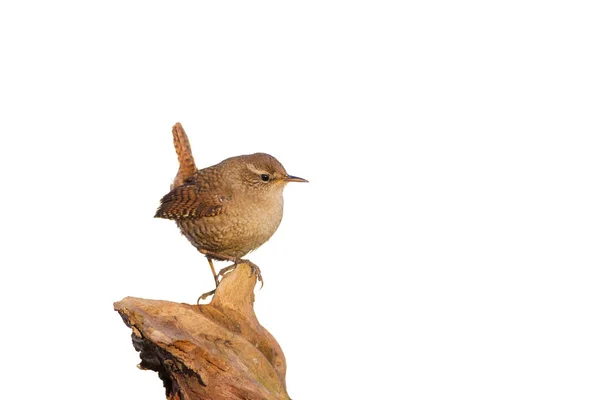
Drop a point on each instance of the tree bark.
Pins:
(216, 351)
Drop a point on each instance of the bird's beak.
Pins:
(290, 178)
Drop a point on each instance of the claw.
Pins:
(255, 270)
(219, 277)
(225, 270)
(205, 296)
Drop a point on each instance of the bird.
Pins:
(226, 210)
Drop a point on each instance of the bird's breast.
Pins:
(243, 226)
(261, 220)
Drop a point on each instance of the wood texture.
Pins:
(216, 351)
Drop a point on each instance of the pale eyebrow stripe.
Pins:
(253, 168)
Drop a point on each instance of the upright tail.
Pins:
(187, 166)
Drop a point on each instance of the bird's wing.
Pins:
(188, 202)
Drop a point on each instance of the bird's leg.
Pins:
(210, 256)
(212, 268)
(254, 269)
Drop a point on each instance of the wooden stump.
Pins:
(216, 351)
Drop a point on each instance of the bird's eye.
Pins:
(264, 177)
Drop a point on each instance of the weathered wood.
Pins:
(217, 351)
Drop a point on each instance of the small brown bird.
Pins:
(229, 209)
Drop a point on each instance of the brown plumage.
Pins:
(228, 209)
(187, 166)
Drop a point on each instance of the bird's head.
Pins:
(264, 173)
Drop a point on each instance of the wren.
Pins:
(229, 209)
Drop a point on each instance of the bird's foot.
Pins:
(205, 296)
(225, 271)
(253, 270)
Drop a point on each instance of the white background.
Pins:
(446, 246)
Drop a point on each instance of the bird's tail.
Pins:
(187, 166)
